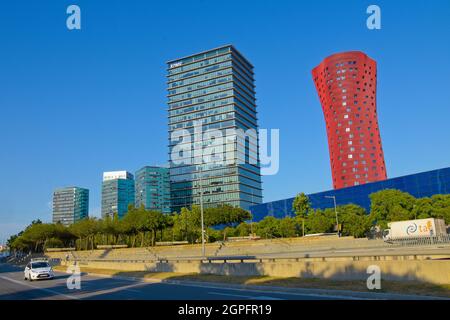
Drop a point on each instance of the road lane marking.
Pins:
(316, 295)
(113, 290)
(133, 290)
(241, 296)
(39, 288)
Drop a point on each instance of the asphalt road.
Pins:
(14, 287)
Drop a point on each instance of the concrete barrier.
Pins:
(407, 268)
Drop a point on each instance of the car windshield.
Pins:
(37, 265)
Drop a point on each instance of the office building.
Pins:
(347, 88)
(213, 90)
(70, 205)
(152, 188)
(117, 193)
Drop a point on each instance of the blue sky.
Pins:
(76, 103)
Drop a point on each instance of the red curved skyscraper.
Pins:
(347, 86)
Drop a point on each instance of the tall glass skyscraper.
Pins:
(70, 205)
(212, 130)
(152, 188)
(117, 193)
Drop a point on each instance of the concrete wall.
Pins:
(400, 269)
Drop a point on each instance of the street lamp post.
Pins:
(251, 222)
(335, 211)
(201, 212)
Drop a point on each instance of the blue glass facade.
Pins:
(117, 193)
(213, 90)
(70, 205)
(425, 184)
(152, 188)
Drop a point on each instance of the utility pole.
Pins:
(201, 212)
(335, 211)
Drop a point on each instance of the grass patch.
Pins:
(417, 288)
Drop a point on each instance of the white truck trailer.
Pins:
(415, 228)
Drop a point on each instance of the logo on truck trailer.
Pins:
(412, 228)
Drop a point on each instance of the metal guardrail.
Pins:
(419, 241)
(112, 246)
(170, 243)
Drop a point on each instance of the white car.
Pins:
(36, 270)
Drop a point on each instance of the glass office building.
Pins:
(117, 193)
(208, 93)
(70, 205)
(425, 184)
(152, 188)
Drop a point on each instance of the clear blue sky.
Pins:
(76, 103)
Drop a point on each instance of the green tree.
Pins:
(225, 214)
(268, 227)
(153, 221)
(37, 235)
(423, 208)
(187, 224)
(391, 205)
(441, 207)
(243, 229)
(288, 227)
(302, 207)
(320, 221)
(132, 224)
(354, 220)
(229, 232)
(85, 230)
(17, 242)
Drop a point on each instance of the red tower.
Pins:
(347, 86)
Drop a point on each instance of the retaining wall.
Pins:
(406, 268)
